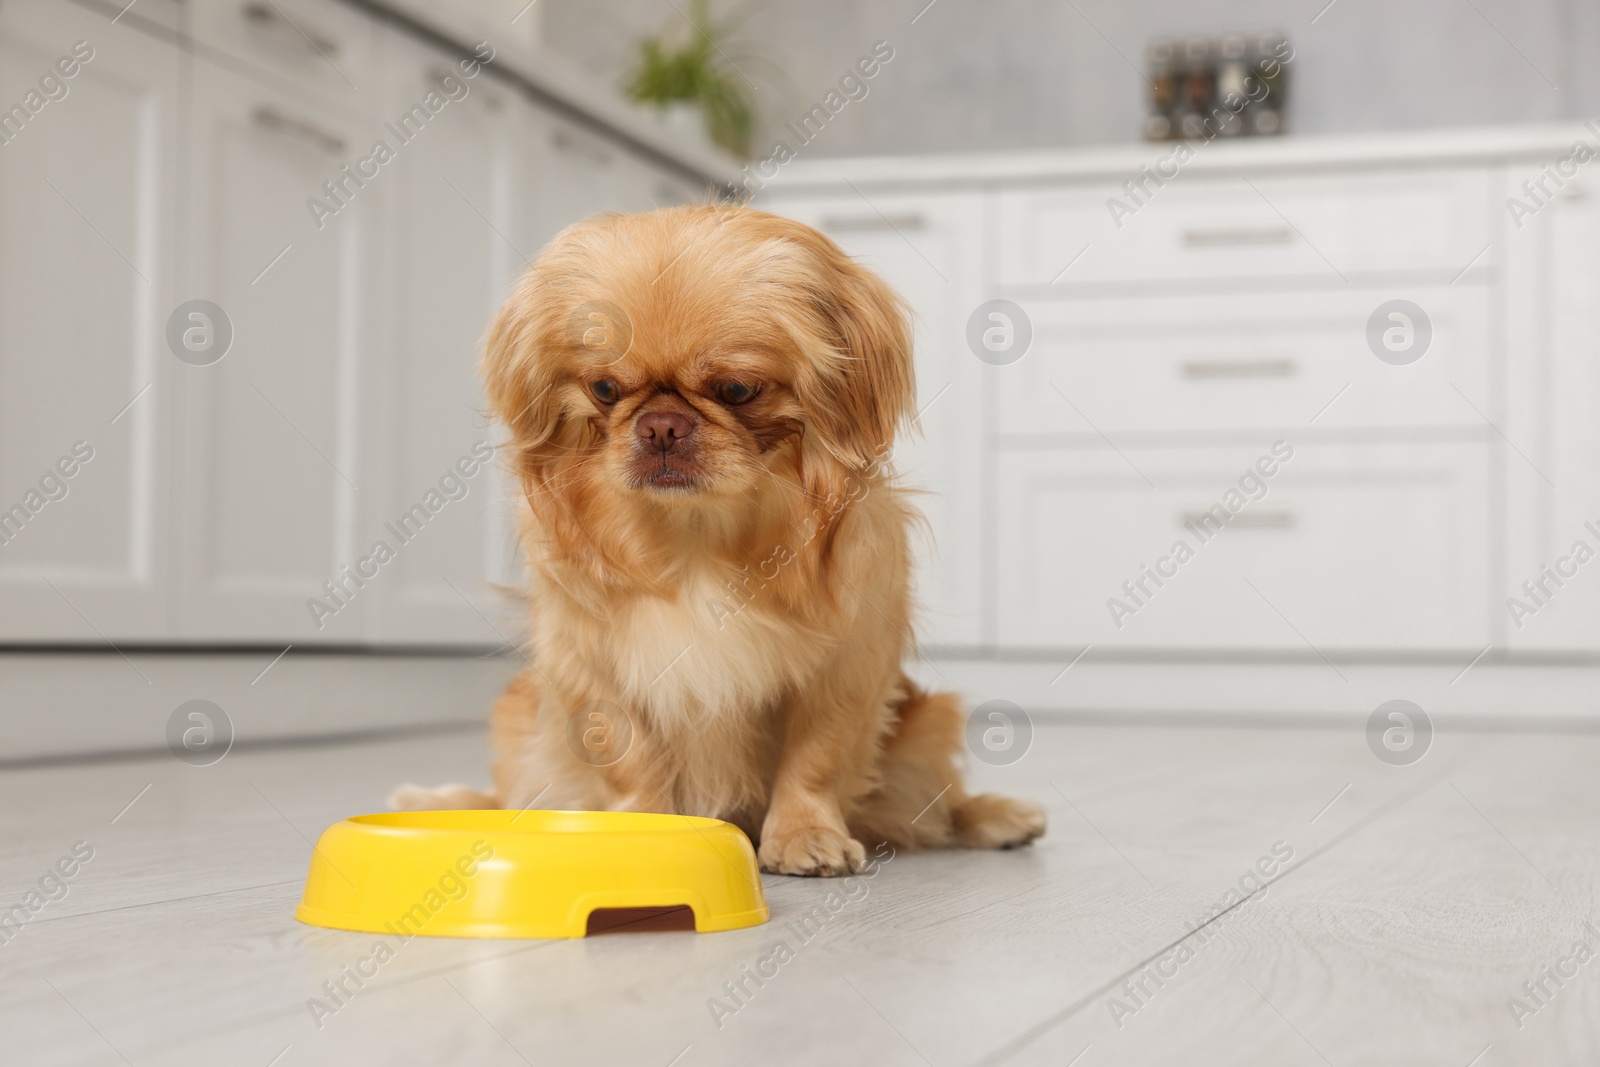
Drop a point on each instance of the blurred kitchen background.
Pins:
(1307, 289)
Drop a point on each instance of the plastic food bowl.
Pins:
(526, 873)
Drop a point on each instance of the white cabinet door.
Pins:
(1551, 451)
(1351, 547)
(275, 472)
(640, 185)
(926, 247)
(573, 173)
(569, 171)
(666, 188)
(86, 209)
(450, 256)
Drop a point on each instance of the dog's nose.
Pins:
(662, 430)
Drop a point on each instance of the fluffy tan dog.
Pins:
(701, 402)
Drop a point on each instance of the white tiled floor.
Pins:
(1414, 907)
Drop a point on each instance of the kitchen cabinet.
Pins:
(274, 451)
(88, 207)
(1551, 588)
(1357, 547)
(253, 337)
(460, 186)
(1175, 334)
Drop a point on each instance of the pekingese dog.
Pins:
(701, 404)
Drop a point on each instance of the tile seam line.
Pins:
(158, 903)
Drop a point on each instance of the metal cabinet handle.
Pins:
(269, 16)
(1258, 520)
(270, 118)
(865, 223)
(1240, 368)
(1238, 237)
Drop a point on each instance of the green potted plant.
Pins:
(695, 71)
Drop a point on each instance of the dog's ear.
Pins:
(519, 383)
(859, 386)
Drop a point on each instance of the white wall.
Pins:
(971, 76)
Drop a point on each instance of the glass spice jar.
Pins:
(1161, 62)
(1270, 66)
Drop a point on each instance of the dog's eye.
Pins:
(735, 392)
(605, 390)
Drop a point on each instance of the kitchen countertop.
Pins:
(1536, 143)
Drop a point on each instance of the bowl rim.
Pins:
(567, 822)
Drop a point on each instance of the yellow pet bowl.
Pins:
(526, 873)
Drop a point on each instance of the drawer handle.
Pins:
(272, 119)
(1240, 368)
(1258, 520)
(1243, 236)
(868, 223)
(267, 16)
(573, 145)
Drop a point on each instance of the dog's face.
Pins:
(689, 402)
(687, 356)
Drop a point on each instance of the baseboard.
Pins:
(1509, 694)
(79, 703)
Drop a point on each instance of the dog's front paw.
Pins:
(812, 850)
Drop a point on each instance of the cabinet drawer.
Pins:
(1369, 547)
(1153, 364)
(325, 48)
(1272, 227)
